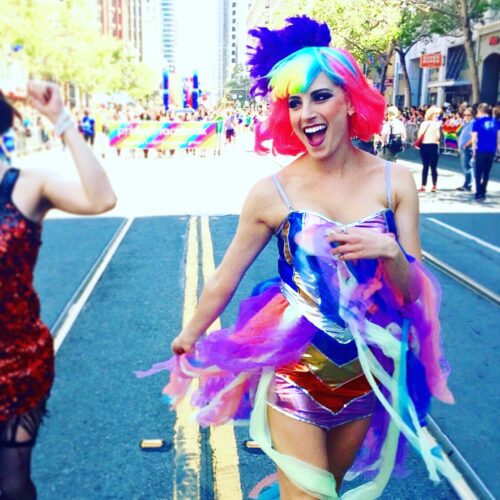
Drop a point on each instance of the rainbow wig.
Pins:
(308, 55)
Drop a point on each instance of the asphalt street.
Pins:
(89, 447)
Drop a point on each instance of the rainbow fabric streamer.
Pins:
(398, 346)
(163, 135)
(450, 132)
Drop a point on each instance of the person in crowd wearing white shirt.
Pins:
(393, 135)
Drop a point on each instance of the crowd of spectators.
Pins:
(471, 132)
(452, 117)
(32, 133)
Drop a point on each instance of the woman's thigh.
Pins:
(424, 156)
(301, 440)
(343, 443)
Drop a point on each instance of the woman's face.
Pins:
(319, 117)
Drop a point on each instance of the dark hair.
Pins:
(7, 114)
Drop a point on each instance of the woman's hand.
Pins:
(356, 243)
(183, 344)
(46, 98)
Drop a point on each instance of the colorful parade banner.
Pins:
(450, 132)
(163, 135)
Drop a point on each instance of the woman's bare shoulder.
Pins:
(265, 203)
(401, 174)
(403, 183)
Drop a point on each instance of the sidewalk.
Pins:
(447, 161)
(183, 184)
(448, 199)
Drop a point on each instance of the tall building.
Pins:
(114, 18)
(122, 20)
(168, 33)
(232, 36)
(223, 62)
(151, 35)
(135, 26)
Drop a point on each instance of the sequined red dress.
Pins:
(26, 347)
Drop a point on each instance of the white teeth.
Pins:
(315, 128)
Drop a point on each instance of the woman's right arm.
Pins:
(251, 237)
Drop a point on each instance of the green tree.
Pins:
(365, 28)
(374, 30)
(62, 41)
(458, 18)
(238, 85)
(416, 25)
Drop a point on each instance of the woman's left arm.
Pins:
(396, 266)
(360, 243)
(93, 193)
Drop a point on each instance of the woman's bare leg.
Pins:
(301, 440)
(343, 444)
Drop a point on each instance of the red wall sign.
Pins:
(494, 40)
(431, 60)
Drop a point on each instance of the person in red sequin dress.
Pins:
(26, 347)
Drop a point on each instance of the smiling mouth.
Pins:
(316, 134)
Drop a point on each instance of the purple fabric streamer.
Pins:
(229, 362)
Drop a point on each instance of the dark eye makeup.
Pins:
(294, 102)
(318, 95)
(321, 95)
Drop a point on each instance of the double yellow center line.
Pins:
(225, 463)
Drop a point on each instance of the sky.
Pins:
(197, 39)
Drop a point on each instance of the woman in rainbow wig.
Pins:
(335, 362)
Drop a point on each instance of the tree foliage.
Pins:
(372, 30)
(457, 18)
(363, 27)
(238, 85)
(448, 16)
(61, 41)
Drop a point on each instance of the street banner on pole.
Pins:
(162, 135)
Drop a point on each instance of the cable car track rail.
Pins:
(62, 325)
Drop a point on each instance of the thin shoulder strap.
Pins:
(388, 183)
(8, 183)
(282, 193)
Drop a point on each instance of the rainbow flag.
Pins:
(162, 135)
(450, 132)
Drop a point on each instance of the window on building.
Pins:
(434, 74)
(456, 63)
